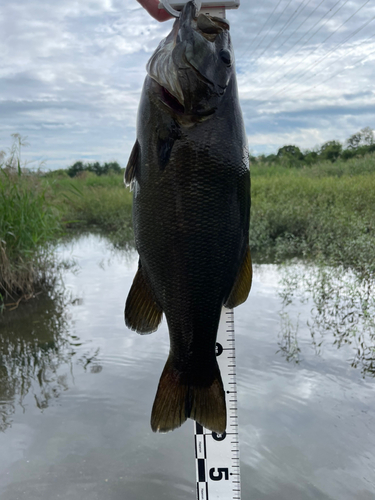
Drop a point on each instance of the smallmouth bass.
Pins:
(189, 170)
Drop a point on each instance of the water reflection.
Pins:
(77, 388)
(36, 351)
(289, 342)
(89, 361)
(38, 344)
(342, 304)
(34, 343)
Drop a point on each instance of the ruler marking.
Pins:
(201, 470)
(217, 457)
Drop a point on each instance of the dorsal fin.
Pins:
(131, 168)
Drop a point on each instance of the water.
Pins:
(76, 390)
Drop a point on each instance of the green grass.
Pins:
(28, 224)
(27, 218)
(91, 200)
(330, 218)
(325, 212)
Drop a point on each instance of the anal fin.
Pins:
(242, 284)
(142, 313)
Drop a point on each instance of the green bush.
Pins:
(329, 218)
(330, 150)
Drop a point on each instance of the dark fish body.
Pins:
(191, 181)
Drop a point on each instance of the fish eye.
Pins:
(225, 57)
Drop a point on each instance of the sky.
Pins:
(71, 74)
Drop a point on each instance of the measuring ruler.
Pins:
(217, 457)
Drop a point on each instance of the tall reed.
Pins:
(28, 225)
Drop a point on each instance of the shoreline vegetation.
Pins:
(317, 207)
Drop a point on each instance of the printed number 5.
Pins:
(219, 475)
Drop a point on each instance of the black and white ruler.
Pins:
(217, 456)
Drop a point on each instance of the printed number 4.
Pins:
(219, 475)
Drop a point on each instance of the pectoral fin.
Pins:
(242, 284)
(131, 168)
(164, 151)
(168, 134)
(142, 313)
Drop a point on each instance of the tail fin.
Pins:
(175, 402)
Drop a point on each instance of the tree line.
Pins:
(358, 144)
(96, 168)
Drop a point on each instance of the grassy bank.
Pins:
(325, 212)
(29, 223)
(92, 201)
(330, 218)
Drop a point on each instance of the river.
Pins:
(77, 389)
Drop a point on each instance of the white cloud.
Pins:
(304, 138)
(72, 72)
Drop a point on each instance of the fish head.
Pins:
(194, 65)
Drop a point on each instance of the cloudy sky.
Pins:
(71, 73)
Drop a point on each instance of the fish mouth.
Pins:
(179, 64)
